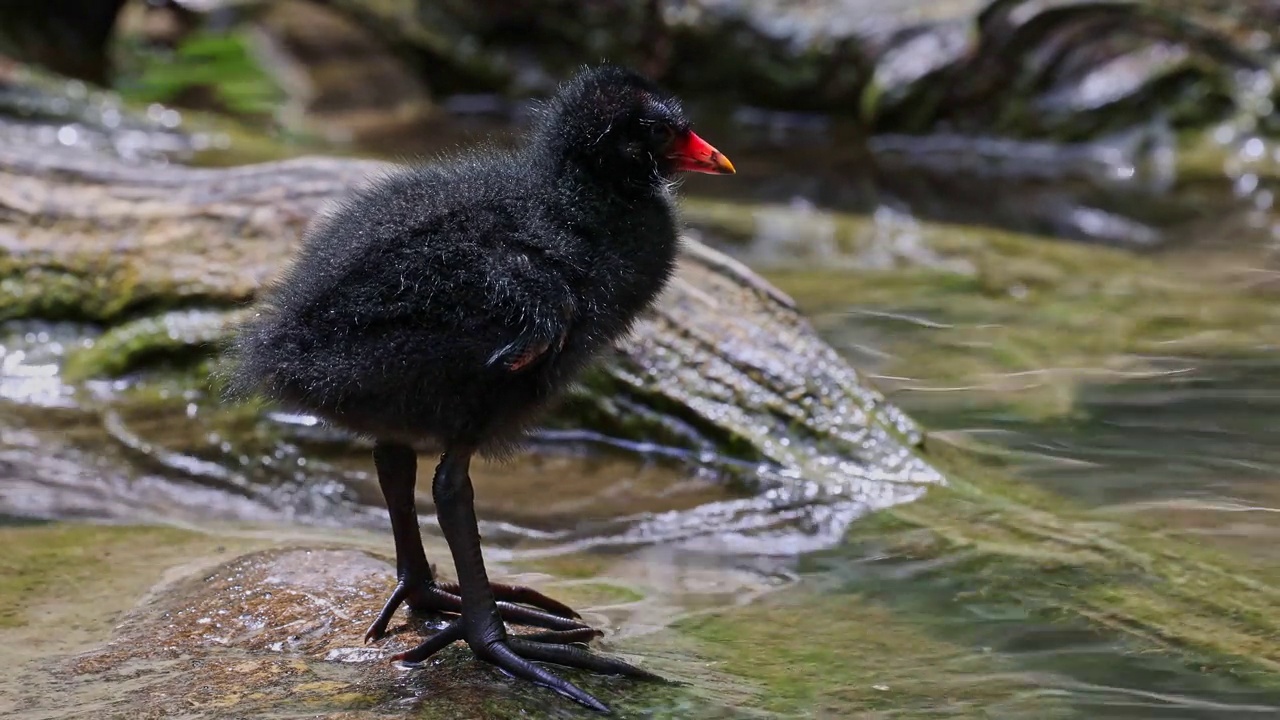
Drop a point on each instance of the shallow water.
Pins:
(1174, 433)
(1183, 437)
(1190, 449)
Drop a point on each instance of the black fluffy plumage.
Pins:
(407, 305)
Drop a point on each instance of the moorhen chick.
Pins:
(446, 304)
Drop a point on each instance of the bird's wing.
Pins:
(542, 334)
(535, 305)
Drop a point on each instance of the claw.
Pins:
(378, 629)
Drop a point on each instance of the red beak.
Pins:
(693, 154)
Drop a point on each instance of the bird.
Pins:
(445, 304)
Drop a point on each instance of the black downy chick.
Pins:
(446, 304)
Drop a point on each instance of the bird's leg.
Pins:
(397, 467)
(481, 624)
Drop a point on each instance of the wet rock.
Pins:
(1071, 70)
(802, 56)
(39, 109)
(276, 631)
(1068, 69)
(1025, 68)
(1062, 69)
(342, 82)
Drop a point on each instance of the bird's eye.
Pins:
(662, 132)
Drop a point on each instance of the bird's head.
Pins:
(619, 124)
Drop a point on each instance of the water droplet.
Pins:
(1254, 148)
(1246, 184)
(67, 135)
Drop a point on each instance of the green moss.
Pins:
(1038, 551)
(173, 336)
(61, 292)
(70, 561)
(969, 567)
(220, 66)
(595, 594)
(822, 655)
(570, 567)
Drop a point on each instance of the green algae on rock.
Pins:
(934, 607)
(1047, 556)
(43, 562)
(134, 343)
(820, 655)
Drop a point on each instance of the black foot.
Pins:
(513, 654)
(516, 604)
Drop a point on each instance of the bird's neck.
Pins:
(587, 179)
(626, 225)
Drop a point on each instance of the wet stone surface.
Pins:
(278, 632)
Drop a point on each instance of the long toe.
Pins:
(564, 637)
(516, 604)
(516, 653)
(521, 595)
(424, 597)
(522, 615)
(502, 655)
(578, 657)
